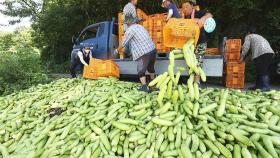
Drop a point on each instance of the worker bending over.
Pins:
(200, 16)
(79, 58)
(142, 48)
(173, 11)
(262, 55)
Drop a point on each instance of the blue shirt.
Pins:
(176, 13)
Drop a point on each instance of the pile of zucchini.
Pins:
(168, 84)
(110, 118)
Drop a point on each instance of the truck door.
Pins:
(92, 37)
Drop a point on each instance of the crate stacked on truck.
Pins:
(154, 24)
(234, 72)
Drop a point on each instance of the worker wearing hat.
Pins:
(173, 11)
(130, 9)
(79, 58)
(200, 16)
(142, 48)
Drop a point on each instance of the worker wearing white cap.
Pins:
(173, 11)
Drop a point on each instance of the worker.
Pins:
(79, 58)
(130, 9)
(142, 48)
(200, 16)
(262, 55)
(173, 11)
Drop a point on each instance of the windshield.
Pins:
(88, 34)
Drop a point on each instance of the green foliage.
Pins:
(20, 9)
(20, 64)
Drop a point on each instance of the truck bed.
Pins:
(212, 65)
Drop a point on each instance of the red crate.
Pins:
(233, 45)
(234, 68)
(234, 81)
(233, 56)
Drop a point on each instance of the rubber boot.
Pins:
(258, 84)
(144, 88)
(265, 87)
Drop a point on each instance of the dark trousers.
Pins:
(146, 63)
(74, 65)
(263, 63)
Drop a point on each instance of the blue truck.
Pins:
(102, 38)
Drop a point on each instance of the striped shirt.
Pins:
(139, 41)
(257, 44)
(127, 10)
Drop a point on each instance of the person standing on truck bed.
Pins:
(142, 48)
(130, 9)
(262, 55)
(200, 16)
(173, 11)
(79, 58)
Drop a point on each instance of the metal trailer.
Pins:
(103, 41)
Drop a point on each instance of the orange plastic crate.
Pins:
(178, 31)
(154, 24)
(233, 56)
(89, 72)
(157, 36)
(234, 68)
(234, 81)
(233, 45)
(101, 68)
(213, 51)
(141, 14)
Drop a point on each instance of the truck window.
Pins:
(101, 30)
(88, 34)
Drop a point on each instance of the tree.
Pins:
(21, 9)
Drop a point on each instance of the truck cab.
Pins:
(103, 40)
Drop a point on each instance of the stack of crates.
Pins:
(121, 34)
(157, 32)
(234, 72)
(153, 24)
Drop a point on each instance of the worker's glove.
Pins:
(140, 20)
(116, 52)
